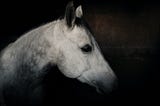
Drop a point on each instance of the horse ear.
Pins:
(79, 12)
(70, 14)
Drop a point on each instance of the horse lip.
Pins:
(94, 83)
(85, 80)
(100, 89)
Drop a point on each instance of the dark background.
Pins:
(127, 32)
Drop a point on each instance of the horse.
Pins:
(67, 43)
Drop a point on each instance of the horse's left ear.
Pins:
(79, 12)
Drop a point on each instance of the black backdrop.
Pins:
(136, 67)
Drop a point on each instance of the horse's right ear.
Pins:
(70, 14)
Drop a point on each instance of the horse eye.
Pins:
(86, 48)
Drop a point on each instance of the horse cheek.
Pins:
(74, 65)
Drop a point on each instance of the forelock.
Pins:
(80, 22)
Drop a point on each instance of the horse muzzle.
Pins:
(104, 82)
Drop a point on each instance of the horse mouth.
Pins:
(85, 80)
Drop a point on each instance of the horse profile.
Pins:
(67, 43)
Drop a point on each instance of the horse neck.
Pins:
(31, 49)
(30, 55)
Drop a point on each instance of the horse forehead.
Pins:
(80, 34)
